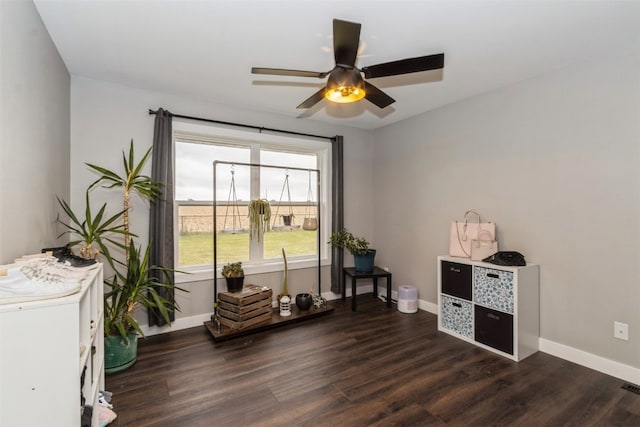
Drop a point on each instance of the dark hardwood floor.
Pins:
(374, 367)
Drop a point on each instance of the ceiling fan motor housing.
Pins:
(345, 85)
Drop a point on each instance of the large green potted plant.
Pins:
(131, 285)
(363, 255)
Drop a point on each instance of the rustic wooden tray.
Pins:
(275, 321)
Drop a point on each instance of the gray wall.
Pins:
(554, 162)
(104, 118)
(34, 132)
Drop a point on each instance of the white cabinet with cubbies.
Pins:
(494, 307)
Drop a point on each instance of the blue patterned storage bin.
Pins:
(457, 316)
(493, 288)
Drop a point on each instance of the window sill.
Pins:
(198, 274)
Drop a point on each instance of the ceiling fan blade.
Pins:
(313, 99)
(346, 39)
(376, 96)
(283, 72)
(405, 66)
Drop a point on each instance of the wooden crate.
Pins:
(239, 310)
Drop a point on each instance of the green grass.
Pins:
(197, 249)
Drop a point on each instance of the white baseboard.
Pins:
(178, 324)
(592, 361)
(428, 306)
(361, 289)
(422, 304)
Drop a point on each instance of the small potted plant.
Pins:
(234, 274)
(363, 255)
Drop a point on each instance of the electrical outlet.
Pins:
(621, 331)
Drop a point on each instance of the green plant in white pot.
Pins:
(285, 278)
(363, 255)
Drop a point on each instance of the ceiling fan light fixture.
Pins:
(346, 83)
(344, 95)
(345, 86)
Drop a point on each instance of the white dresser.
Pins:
(45, 346)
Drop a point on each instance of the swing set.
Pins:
(232, 202)
(286, 221)
(232, 223)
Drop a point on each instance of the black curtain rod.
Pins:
(259, 128)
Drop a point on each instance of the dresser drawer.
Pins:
(456, 279)
(457, 316)
(493, 288)
(494, 328)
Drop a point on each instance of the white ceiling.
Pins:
(205, 49)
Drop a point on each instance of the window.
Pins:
(288, 179)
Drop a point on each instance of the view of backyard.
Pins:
(197, 248)
(195, 228)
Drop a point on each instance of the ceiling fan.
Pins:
(345, 82)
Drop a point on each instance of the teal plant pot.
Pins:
(120, 353)
(364, 263)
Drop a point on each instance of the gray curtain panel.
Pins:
(161, 214)
(337, 216)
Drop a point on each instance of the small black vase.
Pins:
(304, 301)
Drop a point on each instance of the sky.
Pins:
(194, 173)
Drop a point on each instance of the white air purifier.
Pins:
(407, 299)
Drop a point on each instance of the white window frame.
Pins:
(193, 132)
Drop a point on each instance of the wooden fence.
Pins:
(198, 218)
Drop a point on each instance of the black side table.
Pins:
(355, 275)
